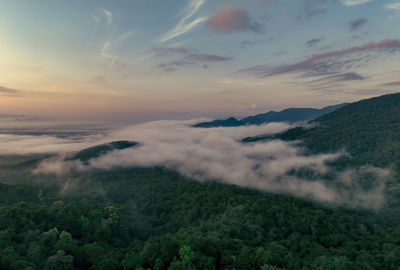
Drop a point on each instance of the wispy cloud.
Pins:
(187, 23)
(107, 15)
(312, 8)
(187, 58)
(5, 91)
(106, 51)
(338, 78)
(355, 2)
(95, 18)
(397, 83)
(395, 6)
(327, 62)
(357, 24)
(348, 76)
(230, 18)
(174, 65)
(310, 43)
(165, 52)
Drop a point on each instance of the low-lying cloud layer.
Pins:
(12, 144)
(217, 154)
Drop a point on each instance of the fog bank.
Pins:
(217, 154)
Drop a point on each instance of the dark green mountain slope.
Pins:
(99, 150)
(154, 218)
(290, 115)
(369, 130)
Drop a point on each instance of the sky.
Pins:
(139, 60)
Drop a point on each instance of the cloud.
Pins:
(246, 43)
(109, 46)
(355, 2)
(310, 43)
(5, 91)
(230, 19)
(185, 25)
(28, 144)
(106, 51)
(111, 60)
(107, 15)
(312, 8)
(357, 24)
(349, 76)
(174, 65)
(167, 51)
(395, 6)
(190, 55)
(187, 58)
(397, 83)
(95, 18)
(199, 57)
(217, 154)
(328, 62)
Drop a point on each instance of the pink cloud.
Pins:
(230, 19)
(5, 91)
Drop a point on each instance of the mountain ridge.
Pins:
(290, 115)
(368, 129)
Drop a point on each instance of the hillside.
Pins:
(229, 122)
(155, 218)
(99, 150)
(290, 115)
(368, 129)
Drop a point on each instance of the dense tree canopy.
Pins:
(154, 218)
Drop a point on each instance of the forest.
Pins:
(155, 218)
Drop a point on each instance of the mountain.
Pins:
(229, 122)
(155, 218)
(290, 115)
(99, 150)
(368, 129)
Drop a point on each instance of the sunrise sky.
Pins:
(156, 59)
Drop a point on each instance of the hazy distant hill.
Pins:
(290, 115)
(229, 122)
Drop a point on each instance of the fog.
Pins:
(12, 144)
(216, 154)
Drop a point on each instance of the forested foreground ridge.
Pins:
(155, 218)
(369, 130)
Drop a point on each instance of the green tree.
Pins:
(60, 261)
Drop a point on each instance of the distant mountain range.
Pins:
(290, 115)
